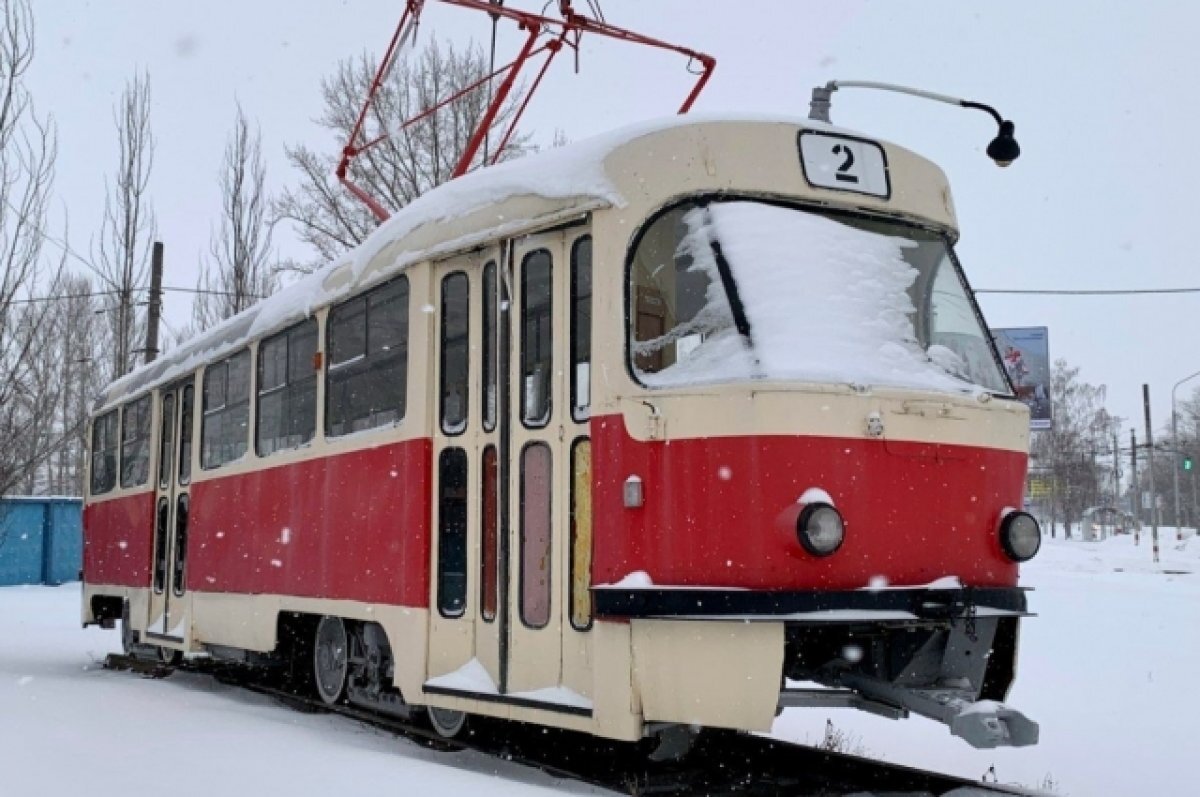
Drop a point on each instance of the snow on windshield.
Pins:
(825, 301)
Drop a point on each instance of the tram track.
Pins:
(720, 763)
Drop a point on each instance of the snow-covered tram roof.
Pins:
(531, 192)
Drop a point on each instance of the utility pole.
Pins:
(1150, 458)
(154, 311)
(1116, 470)
(1135, 502)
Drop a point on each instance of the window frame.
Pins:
(460, 538)
(226, 408)
(576, 415)
(523, 520)
(113, 448)
(362, 363)
(143, 410)
(464, 421)
(521, 354)
(708, 197)
(287, 387)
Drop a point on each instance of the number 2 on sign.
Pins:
(843, 172)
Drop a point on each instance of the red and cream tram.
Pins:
(672, 428)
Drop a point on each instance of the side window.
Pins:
(185, 433)
(367, 377)
(287, 389)
(224, 434)
(536, 340)
(166, 440)
(489, 561)
(104, 453)
(491, 352)
(581, 534)
(581, 328)
(452, 532)
(535, 535)
(668, 296)
(162, 518)
(135, 443)
(455, 351)
(179, 574)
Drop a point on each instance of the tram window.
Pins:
(185, 434)
(455, 362)
(135, 443)
(491, 352)
(536, 339)
(166, 440)
(489, 561)
(367, 378)
(179, 575)
(104, 453)
(581, 534)
(163, 516)
(226, 401)
(581, 328)
(535, 535)
(287, 389)
(452, 532)
(668, 296)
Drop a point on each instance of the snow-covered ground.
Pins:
(1106, 668)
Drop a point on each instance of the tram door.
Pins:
(168, 604)
(510, 443)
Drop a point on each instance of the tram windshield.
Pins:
(732, 290)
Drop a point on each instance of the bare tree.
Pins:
(27, 152)
(404, 165)
(1070, 451)
(240, 270)
(128, 228)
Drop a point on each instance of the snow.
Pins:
(471, 677)
(815, 495)
(1107, 668)
(638, 579)
(825, 302)
(67, 726)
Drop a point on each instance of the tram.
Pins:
(670, 429)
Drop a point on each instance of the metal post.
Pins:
(1150, 459)
(1175, 466)
(1134, 502)
(154, 311)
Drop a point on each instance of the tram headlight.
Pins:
(1020, 536)
(820, 529)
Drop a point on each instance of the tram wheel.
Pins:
(446, 721)
(331, 659)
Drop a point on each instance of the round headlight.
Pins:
(1020, 536)
(820, 529)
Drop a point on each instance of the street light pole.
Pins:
(1175, 444)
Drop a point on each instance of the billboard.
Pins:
(1025, 352)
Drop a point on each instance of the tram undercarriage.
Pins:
(956, 671)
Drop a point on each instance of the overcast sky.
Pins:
(1102, 94)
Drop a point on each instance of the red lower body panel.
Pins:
(720, 511)
(353, 526)
(118, 540)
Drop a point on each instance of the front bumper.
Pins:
(837, 606)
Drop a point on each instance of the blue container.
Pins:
(41, 540)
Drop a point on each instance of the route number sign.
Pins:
(844, 163)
